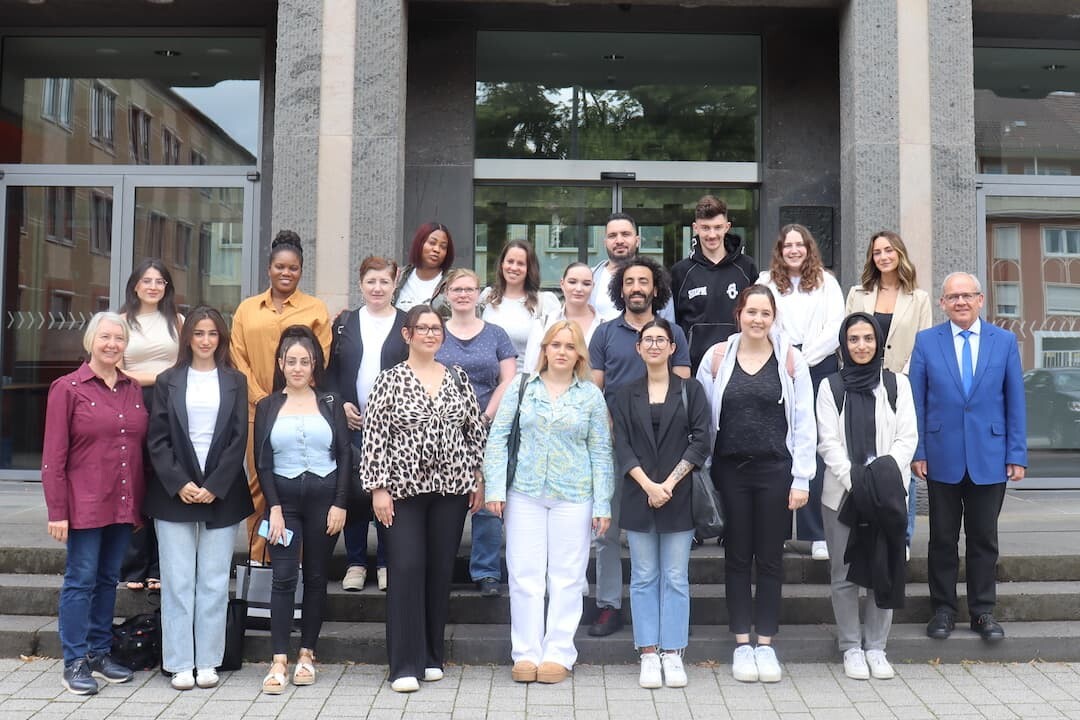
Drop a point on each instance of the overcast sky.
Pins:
(232, 104)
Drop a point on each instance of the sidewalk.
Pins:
(1032, 690)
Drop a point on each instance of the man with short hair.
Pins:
(622, 242)
(704, 286)
(638, 289)
(968, 386)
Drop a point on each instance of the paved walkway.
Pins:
(31, 689)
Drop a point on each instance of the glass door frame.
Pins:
(124, 181)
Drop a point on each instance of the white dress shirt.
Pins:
(958, 345)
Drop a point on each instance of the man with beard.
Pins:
(639, 288)
(622, 242)
(706, 284)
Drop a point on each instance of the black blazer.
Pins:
(174, 460)
(347, 350)
(329, 404)
(636, 444)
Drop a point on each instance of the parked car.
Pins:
(1053, 407)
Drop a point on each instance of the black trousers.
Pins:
(757, 520)
(422, 546)
(305, 501)
(141, 558)
(978, 506)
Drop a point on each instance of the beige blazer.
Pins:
(911, 314)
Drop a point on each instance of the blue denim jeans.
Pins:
(356, 541)
(88, 595)
(660, 588)
(912, 505)
(195, 563)
(487, 535)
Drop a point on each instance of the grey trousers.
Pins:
(609, 576)
(873, 634)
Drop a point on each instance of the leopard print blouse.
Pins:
(416, 444)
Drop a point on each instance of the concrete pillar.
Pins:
(869, 128)
(378, 150)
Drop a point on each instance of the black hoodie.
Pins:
(705, 293)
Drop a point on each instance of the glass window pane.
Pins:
(1036, 295)
(1006, 242)
(106, 100)
(54, 281)
(618, 96)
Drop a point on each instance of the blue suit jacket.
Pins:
(979, 434)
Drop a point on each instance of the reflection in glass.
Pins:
(56, 275)
(121, 101)
(1034, 291)
(617, 96)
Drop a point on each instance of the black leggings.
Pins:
(305, 502)
(757, 519)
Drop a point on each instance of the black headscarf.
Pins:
(860, 407)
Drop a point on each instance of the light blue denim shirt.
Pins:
(565, 449)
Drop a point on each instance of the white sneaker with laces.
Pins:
(743, 665)
(650, 677)
(768, 667)
(819, 550)
(355, 577)
(674, 673)
(855, 664)
(183, 680)
(879, 665)
(206, 677)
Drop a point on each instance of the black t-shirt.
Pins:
(753, 423)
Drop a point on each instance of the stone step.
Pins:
(490, 644)
(804, 604)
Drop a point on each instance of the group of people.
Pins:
(561, 425)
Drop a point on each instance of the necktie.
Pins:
(966, 371)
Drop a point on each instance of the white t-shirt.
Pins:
(203, 400)
(416, 291)
(601, 300)
(513, 317)
(373, 333)
(793, 311)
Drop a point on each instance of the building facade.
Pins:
(193, 130)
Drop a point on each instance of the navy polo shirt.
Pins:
(613, 349)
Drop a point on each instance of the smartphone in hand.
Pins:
(264, 531)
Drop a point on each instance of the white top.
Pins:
(373, 333)
(601, 299)
(973, 340)
(416, 291)
(203, 400)
(811, 319)
(150, 347)
(513, 317)
(532, 350)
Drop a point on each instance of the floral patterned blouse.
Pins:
(414, 443)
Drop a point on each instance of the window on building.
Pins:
(1007, 242)
(139, 127)
(197, 158)
(204, 249)
(1007, 299)
(60, 303)
(170, 147)
(101, 304)
(155, 235)
(59, 204)
(1061, 240)
(1062, 299)
(100, 223)
(182, 246)
(103, 115)
(56, 96)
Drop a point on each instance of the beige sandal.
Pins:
(274, 682)
(305, 663)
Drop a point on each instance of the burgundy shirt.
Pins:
(92, 461)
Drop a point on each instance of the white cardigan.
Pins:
(821, 337)
(797, 396)
(897, 434)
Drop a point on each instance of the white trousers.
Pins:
(547, 548)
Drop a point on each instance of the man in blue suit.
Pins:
(969, 398)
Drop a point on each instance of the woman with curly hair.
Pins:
(810, 308)
(515, 302)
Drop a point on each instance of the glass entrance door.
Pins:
(565, 223)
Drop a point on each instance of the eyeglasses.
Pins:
(660, 342)
(427, 330)
(153, 282)
(953, 298)
(461, 291)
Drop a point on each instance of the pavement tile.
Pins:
(1026, 710)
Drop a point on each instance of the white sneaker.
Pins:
(650, 677)
(819, 550)
(405, 684)
(355, 577)
(907, 554)
(743, 665)
(768, 667)
(674, 673)
(855, 664)
(879, 665)
(433, 674)
(206, 678)
(183, 680)
(380, 575)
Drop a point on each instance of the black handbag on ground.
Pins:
(513, 441)
(235, 630)
(136, 642)
(704, 500)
